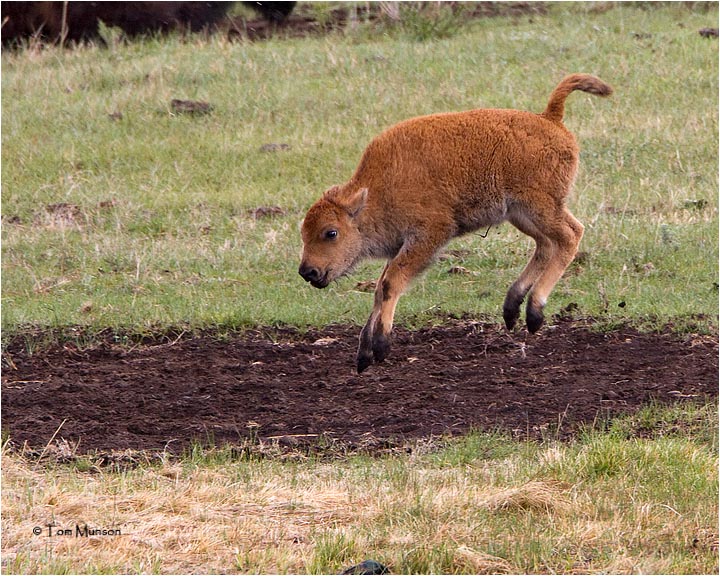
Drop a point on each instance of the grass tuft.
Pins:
(533, 495)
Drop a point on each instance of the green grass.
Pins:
(158, 232)
(609, 501)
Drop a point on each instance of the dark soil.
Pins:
(297, 388)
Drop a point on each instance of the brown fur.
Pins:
(427, 180)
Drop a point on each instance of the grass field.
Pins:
(119, 213)
(141, 222)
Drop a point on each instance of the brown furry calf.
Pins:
(427, 180)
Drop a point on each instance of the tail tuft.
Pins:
(584, 82)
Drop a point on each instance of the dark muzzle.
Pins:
(312, 275)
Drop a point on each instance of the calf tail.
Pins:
(585, 82)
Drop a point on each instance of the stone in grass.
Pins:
(266, 212)
(460, 270)
(192, 107)
(366, 286)
(274, 147)
(367, 567)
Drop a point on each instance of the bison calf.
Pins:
(427, 180)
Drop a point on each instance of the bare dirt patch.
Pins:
(295, 389)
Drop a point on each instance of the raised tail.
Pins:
(585, 82)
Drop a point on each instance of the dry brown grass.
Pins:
(177, 520)
(415, 514)
(534, 495)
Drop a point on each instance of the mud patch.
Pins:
(287, 387)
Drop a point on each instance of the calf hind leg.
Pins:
(532, 271)
(565, 236)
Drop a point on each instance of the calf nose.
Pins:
(309, 273)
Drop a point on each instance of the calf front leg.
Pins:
(366, 350)
(375, 336)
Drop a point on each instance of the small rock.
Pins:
(571, 307)
(581, 257)
(367, 567)
(324, 341)
(699, 204)
(366, 286)
(459, 270)
(266, 212)
(194, 107)
(274, 147)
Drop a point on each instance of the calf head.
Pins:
(332, 241)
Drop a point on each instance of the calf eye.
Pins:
(331, 234)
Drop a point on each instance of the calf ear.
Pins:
(356, 202)
(332, 192)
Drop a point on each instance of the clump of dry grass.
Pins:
(531, 496)
(477, 562)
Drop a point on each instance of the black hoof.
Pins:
(364, 361)
(534, 319)
(381, 348)
(511, 315)
(511, 308)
